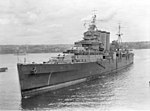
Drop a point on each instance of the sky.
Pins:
(62, 21)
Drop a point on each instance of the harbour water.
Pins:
(127, 90)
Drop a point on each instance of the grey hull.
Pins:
(47, 77)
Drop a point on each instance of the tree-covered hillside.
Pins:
(13, 49)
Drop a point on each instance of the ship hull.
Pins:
(38, 78)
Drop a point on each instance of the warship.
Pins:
(87, 60)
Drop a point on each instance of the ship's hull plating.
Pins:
(37, 78)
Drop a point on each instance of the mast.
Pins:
(92, 24)
(94, 17)
(119, 35)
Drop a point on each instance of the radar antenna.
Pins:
(92, 25)
(93, 17)
(92, 22)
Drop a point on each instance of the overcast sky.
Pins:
(61, 21)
